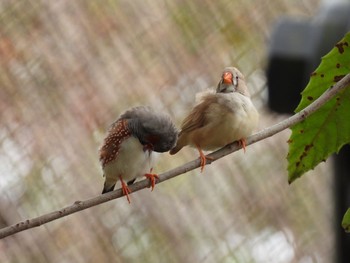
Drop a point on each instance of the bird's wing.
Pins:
(197, 117)
(110, 148)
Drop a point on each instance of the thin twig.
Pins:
(265, 133)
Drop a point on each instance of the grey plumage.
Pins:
(127, 148)
(152, 127)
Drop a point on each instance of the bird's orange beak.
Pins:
(227, 78)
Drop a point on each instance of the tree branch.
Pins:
(265, 133)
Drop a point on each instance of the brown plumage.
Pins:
(219, 118)
(111, 145)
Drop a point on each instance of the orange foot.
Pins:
(152, 178)
(126, 190)
(242, 143)
(203, 158)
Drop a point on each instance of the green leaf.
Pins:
(327, 130)
(346, 221)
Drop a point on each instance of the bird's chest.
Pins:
(132, 161)
(229, 120)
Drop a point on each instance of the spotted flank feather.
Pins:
(116, 134)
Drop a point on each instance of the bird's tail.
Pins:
(107, 188)
(175, 149)
(181, 142)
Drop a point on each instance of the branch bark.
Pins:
(265, 133)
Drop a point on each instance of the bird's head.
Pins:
(232, 80)
(155, 130)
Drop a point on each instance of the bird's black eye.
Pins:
(235, 81)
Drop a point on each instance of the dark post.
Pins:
(295, 51)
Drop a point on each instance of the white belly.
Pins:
(132, 162)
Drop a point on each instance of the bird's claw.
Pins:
(242, 144)
(203, 158)
(126, 190)
(152, 178)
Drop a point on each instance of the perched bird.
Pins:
(127, 149)
(220, 117)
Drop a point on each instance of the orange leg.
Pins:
(242, 143)
(203, 158)
(126, 190)
(152, 177)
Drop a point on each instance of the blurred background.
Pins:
(69, 68)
